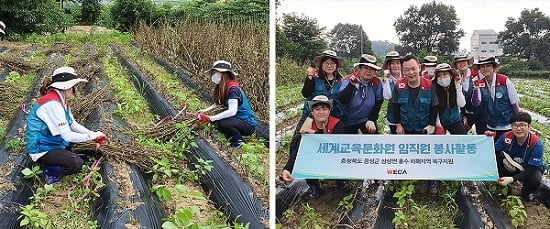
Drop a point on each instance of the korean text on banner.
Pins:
(396, 157)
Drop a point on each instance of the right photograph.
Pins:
(424, 114)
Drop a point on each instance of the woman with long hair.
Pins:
(51, 127)
(239, 119)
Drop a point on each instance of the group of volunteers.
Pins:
(423, 98)
(51, 126)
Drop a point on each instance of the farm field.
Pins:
(149, 174)
(374, 204)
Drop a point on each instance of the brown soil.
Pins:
(87, 29)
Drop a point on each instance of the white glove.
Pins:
(505, 180)
(371, 128)
(429, 129)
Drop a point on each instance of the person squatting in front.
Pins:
(323, 123)
(238, 119)
(361, 93)
(519, 155)
(51, 127)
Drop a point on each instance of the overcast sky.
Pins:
(378, 16)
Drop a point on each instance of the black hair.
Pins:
(520, 117)
(336, 73)
(409, 57)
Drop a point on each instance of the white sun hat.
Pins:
(64, 78)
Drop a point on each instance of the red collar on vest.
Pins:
(425, 84)
(51, 95)
(509, 136)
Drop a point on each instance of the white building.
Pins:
(485, 42)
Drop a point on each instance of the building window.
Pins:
(491, 50)
(483, 42)
(483, 50)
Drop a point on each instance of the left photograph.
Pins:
(134, 114)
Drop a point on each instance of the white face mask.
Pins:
(444, 82)
(216, 78)
(431, 71)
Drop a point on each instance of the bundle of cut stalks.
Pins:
(17, 64)
(84, 106)
(130, 152)
(168, 129)
(9, 95)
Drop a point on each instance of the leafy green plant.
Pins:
(33, 218)
(310, 218)
(346, 202)
(516, 210)
(162, 168)
(31, 173)
(202, 166)
(251, 158)
(14, 144)
(162, 192)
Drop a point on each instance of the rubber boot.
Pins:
(52, 174)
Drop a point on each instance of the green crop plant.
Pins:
(311, 218)
(347, 202)
(250, 156)
(14, 144)
(32, 173)
(162, 169)
(516, 210)
(33, 218)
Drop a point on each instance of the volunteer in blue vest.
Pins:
(51, 127)
(323, 123)
(362, 96)
(495, 94)
(448, 88)
(324, 79)
(519, 154)
(392, 72)
(238, 119)
(414, 101)
(471, 114)
(428, 67)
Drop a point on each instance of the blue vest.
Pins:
(359, 108)
(244, 112)
(38, 136)
(338, 109)
(389, 111)
(449, 116)
(415, 115)
(469, 108)
(499, 110)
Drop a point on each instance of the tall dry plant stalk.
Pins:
(194, 46)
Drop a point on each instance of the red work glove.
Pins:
(353, 77)
(439, 130)
(100, 139)
(489, 133)
(203, 118)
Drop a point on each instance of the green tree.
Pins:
(27, 16)
(299, 38)
(346, 40)
(125, 13)
(528, 37)
(91, 10)
(225, 11)
(433, 28)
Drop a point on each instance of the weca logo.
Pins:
(396, 171)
